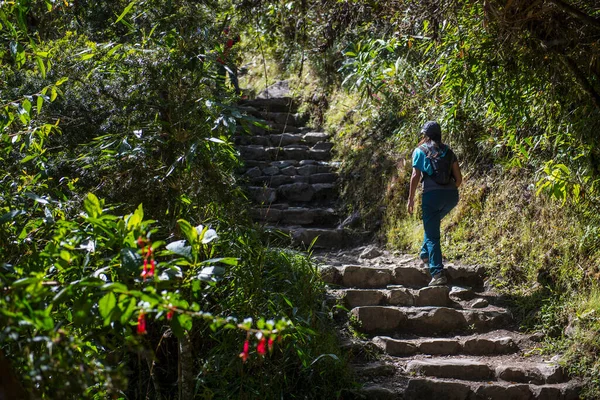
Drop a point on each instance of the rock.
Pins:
(324, 191)
(315, 137)
(253, 152)
(427, 389)
(537, 374)
(330, 274)
(433, 296)
(462, 293)
(307, 162)
(436, 320)
(319, 155)
(298, 216)
(284, 163)
(376, 369)
(296, 152)
(306, 170)
(323, 178)
(410, 276)
(280, 89)
(289, 171)
(369, 253)
(377, 392)
(262, 194)
(364, 277)
(451, 369)
(378, 319)
(253, 172)
(485, 346)
(272, 181)
(296, 192)
(325, 238)
(480, 303)
(270, 170)
(395, 347)
(439, 346)
(363, 297)
(400, 297)
(325, 146)
(266, 214)
(501, 392)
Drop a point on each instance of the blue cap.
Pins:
(432, 130)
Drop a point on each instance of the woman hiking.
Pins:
(434, 164)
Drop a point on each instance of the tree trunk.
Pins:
(186, 368)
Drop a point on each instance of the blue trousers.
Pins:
(436, 204)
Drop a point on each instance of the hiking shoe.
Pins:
(438, 279)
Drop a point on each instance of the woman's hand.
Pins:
(410, 206)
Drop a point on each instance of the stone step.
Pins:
(477, 345)
(280, 140)
(427, 320)
(275, 181)
(276, 104)
(428, 296)
(302, 167)
(486, 369)
(300, 192)
(431, 388)
(330, 238)
(290, 152)
(365, 277)
(289, 118)
(296, 215)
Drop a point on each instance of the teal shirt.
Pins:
(422, 163)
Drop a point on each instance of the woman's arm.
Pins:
(456, 173)
(415, 178)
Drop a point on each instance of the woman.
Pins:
(435, 164)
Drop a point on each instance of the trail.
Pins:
(456, 342)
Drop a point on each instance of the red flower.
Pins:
(141, 325)
(141, 242)
(152, 268)
(244, 354)
(260, 348)
(170, 314)
(145, 270)
(270, 344)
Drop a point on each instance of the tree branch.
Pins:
(576, 13)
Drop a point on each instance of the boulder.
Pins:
(451, 369)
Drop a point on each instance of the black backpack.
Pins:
(442, 166)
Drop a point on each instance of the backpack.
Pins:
(442, 166)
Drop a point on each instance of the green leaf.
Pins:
(225, 260)
(125, 12)
(130, 259)
(188, 230)
(9, 216)
(136, 218)
(211, 274)
(39, 104)
(92, 205)
(179, 247)
(106, 304)
(128, 311)
(185, 321)
(35, 197)
(41, 66)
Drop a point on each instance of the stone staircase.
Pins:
(455, 342)
(411, 341)
(288, 171)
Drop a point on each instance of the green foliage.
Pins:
(106, 106)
